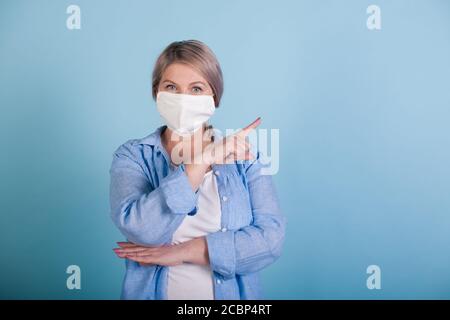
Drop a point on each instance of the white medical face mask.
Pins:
(184, 113)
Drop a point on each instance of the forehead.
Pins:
(181, 73)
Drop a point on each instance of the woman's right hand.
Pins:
(231, 148)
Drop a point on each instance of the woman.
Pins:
(200, 218)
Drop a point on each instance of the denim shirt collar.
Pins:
(154, 138)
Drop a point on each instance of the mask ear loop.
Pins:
(210, 129)
(208, 126)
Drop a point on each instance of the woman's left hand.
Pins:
(192, 251)
(168, 255)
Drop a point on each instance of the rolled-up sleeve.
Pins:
(258, 245)
(144, 214)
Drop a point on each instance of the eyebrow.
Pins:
(201, 82)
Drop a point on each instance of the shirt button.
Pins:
(218, 281)
(217, 173)
(224, 198)
(224, 229)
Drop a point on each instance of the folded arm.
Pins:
(147, 215)
(256, 246)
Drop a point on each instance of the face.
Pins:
(181, 78)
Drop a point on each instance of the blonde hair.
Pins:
(195, 54)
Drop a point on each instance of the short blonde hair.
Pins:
(196, 54)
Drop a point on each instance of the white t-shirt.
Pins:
(191, 281)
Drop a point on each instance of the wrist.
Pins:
(195, 251)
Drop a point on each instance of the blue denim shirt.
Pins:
(149, 199)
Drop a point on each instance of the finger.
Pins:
(234, 145)
(121, 255)
(130, 249)
(230, 158)
(142, 253)
(231, 142)
(245, 131)
(243, 145)
(128, 255)
(146, 259)
(240, 152)
(126, 244)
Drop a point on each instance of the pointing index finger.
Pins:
(245, 131)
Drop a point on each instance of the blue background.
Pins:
(364, 135)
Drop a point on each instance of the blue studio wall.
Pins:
(363, 115)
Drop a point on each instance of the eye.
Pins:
(170, 87)
(197, 89)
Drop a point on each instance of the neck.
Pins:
(183, 148)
